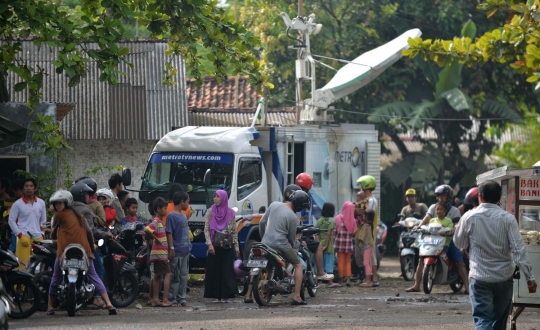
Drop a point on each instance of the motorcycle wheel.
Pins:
(43, 281)
(125, 291)
(312, 291)
(261, 292)
(242, 284)
(457, 285)
(428, 276)
(25, 296)
(407, 267)
(71, 303)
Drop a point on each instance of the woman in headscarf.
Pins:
(220, 280)
(344, 244)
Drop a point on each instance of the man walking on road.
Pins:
(493, 238)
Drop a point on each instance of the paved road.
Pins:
(386, 307)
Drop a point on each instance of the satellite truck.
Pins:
(254, 164)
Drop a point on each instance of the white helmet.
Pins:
(62, 196)
(104, 192)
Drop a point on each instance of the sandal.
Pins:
(112, 311)
(248, 301)
(365, 285)
(298, 303)
(411, 290)
(51, 312)
(166, 305)
(184, 304)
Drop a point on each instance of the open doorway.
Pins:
(10, 164)
(299, 158)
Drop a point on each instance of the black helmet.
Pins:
(289, 190)
(78, 190)
(300, 201)
(89, 181)
(445, 189)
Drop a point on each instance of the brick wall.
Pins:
(87, 154)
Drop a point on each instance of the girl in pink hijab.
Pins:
(344, 244)
(220, 279)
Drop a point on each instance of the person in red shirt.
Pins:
(106, 198)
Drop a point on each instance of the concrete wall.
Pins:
(19, 113)
(87, 154)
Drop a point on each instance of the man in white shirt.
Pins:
(493, 238)
(27, 216)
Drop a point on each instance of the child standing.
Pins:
(345, 230)
(159, 254)
(178, 240)
(366, 242)
(131, 212)
(326, 237)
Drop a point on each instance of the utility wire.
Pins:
(422, 118)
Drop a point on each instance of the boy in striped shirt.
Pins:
(159, 256)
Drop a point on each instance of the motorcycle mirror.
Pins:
(401, 215)
(207, 178)
(100, 242)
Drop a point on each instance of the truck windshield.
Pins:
(188, 169)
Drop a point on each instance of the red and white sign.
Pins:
(529, 189)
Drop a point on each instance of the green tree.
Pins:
(515, 42)
(186, 24)
(457, 121)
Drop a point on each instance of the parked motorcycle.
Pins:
(41, 265)
(5, 307)
(19, 286)
(438, 268)
(120, 278)
(74, 291)
(408, 245)
(142, 266)
(131, 239)
(310, 274)
(382, 231)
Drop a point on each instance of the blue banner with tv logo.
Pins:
(191, 157)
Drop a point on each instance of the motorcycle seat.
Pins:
(266, 247)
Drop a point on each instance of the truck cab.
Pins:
(183, 156)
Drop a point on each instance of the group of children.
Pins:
(340, 234)
(169, 257)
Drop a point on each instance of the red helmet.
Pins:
(304, 180)
(472, 196)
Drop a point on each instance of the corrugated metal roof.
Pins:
(239, 119)
(139, 107)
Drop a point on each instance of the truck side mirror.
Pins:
(126, 177)
(207, 178)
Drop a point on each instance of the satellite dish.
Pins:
(362, 70)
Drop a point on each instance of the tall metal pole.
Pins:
(237, 78)
(299, 82)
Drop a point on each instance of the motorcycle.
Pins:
(310, 275)
(142, 267)
(120, 278)
(382, 231)
(131, 239)
(438, 268)
(5, 307)
(41, 265)
(408, 245)
(74, 291)
(19, 286)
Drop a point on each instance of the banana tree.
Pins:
(455, 118)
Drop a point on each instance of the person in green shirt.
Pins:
(326, 222)
(440, 210)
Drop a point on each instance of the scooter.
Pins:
(382, 231)
(5, 307)
(408, 245)
(310, 276)
(438, 269)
